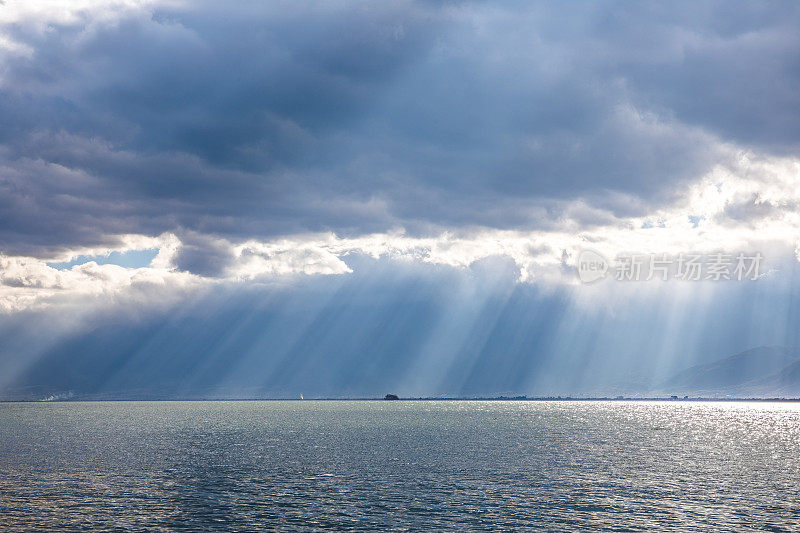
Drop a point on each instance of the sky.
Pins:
(263, 199)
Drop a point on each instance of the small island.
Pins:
(391, 397)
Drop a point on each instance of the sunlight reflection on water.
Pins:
(399, 465)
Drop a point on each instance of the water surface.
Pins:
(399, 465)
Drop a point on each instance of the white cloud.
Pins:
(254, 259)
(712, 215)
(41, 14)
(27, 282)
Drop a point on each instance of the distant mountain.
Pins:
(762, 371)
(786, 382)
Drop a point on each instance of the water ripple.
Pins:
(561, 466)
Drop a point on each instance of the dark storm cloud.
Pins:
(202, 255)
(255, 120)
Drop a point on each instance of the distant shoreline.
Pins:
(424, 399)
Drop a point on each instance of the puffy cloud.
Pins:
(748, 206)
(31, 283)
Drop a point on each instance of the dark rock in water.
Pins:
(391, 397)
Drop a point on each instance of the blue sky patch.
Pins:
(129, 259)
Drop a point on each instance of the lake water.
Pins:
(399, 465)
